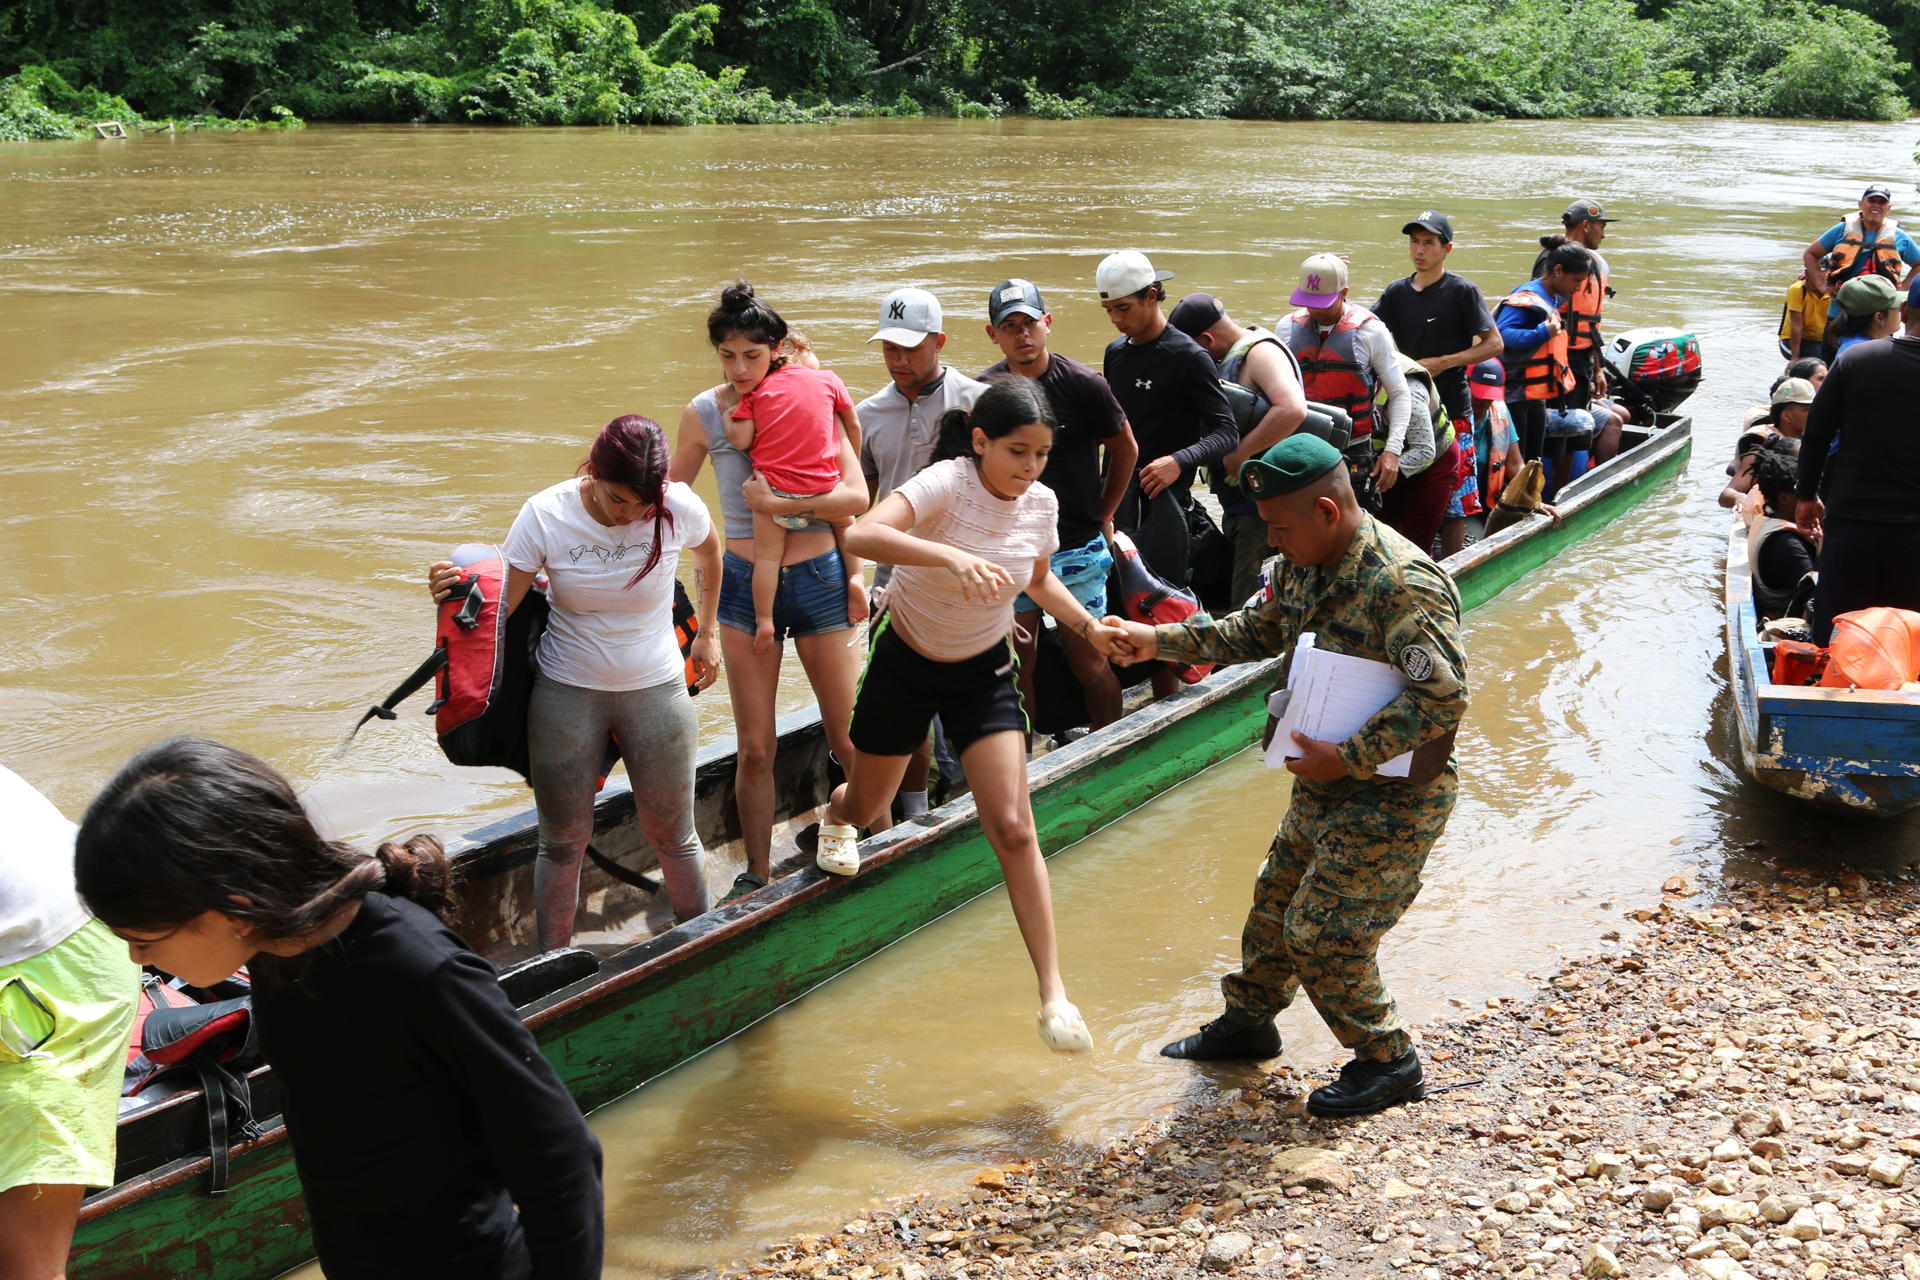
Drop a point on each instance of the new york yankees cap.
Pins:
(1431, 220)
(1322, 277)
(908, 317)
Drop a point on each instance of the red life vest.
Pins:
(1333, 368)
(1545, 374)
(1582, 312)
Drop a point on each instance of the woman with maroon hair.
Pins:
(609, 539)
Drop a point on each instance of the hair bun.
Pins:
(737, 296)
(417, 869)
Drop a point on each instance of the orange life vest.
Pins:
(1545, 375)
(1847, 259)
(1333, 368)
(1582, 312)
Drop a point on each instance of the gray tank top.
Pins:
(731, 470)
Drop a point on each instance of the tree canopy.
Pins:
(65, 62)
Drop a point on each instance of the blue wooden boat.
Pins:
(1845, 750)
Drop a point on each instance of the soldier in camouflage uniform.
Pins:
(1345, 864)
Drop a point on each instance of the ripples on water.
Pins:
(254, 384)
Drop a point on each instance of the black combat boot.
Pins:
(1366, 1086)
(1224, 1040)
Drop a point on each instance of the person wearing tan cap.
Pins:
(1785, 420)
(1346, 355)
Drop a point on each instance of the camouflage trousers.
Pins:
(1342, 870)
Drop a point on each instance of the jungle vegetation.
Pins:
(65, 63)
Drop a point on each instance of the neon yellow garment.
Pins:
(58, 1103)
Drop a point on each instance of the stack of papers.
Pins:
(1330, 697)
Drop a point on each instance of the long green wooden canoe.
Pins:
(659, 1001)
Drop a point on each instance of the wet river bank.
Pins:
(1728, 1088)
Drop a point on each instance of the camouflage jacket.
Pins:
(1385, 601)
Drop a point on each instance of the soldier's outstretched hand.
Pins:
(1135, 642)
(1320, 761)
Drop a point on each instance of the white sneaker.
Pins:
(839, 851)
(1062, 1029)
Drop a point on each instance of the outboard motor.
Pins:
(1653, 370)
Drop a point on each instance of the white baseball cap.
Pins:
(1322, 277)
(908, 317)
(1125, 272)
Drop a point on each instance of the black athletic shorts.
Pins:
(901, 691)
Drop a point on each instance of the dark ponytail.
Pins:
(740, 312)
(1009, 403)
(1569, 257)
(1548, 243)
(191, 826)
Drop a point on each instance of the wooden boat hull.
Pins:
(1845, 751)
(664, 1000)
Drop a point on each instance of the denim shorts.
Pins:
(811, 599)
(1081, 570)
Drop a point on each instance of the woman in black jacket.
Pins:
(420, 1110)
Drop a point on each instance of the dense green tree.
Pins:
(623, 61)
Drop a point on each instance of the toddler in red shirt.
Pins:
(789, 424)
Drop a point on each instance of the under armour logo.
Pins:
(1313, 282)
(896, 311)
(1145, 384)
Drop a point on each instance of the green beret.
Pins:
(1293, 464)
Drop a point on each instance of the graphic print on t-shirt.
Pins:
(607, 555)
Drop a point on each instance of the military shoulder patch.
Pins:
(1416, 662)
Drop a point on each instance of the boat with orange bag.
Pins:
(1839, 727)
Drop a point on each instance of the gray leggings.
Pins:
(567, 731)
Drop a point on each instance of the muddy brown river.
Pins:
(250, 385)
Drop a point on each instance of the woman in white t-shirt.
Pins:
(609, 540)
(965, 537)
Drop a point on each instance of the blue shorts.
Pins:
(811, 599)
(1083, 571)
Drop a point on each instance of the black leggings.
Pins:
(1863, 564)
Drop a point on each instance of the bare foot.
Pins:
(763, 636)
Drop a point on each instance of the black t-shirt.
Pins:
(1443, 319)
(1785, 558)
(1088, 414)
(1867, 402)
(421, 1111)
(1170, 390)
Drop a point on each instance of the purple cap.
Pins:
(1322, 279)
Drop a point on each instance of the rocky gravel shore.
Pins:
(1728, 1090)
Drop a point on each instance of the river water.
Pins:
(252, 384)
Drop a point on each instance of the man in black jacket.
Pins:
(1871, 513)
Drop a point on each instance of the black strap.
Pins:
(229, 1114)
(216, 1096)
(405, 689)
(620, 873)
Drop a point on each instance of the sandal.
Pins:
(839, 853)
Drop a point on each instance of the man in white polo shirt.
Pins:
(898, 429)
